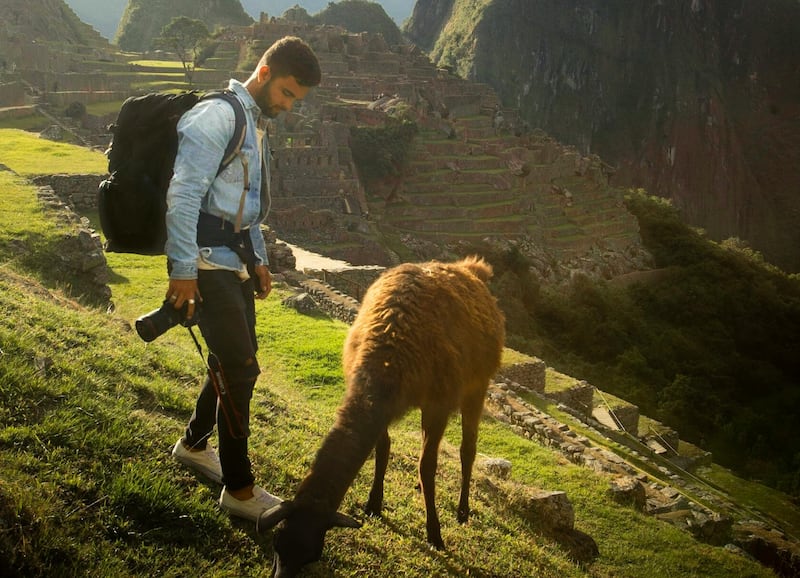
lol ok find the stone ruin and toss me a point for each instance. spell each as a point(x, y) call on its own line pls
point(475, 172)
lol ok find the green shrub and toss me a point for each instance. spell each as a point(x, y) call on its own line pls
point(382, 152)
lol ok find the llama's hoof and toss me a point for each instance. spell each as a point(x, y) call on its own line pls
point(463, 516)
point(373, 511)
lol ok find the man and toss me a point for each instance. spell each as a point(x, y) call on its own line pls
point(217, 261)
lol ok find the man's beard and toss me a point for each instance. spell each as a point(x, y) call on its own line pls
point(268, 110)
point(265, 102)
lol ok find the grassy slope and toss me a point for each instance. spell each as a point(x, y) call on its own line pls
point(89, 414)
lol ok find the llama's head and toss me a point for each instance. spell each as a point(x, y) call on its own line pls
point(300, 536)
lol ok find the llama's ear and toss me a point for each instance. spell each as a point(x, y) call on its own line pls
point(339, 520)
point(270, 518)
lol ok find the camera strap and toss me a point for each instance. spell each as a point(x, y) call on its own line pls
point(233, 418)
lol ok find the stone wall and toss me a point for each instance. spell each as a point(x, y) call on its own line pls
point(529, 374)
point(579, 397)
point(628, 417)
point(12, 94)
point(331, 301)
point(80, 191)
point(80, 252)
point(353, 282)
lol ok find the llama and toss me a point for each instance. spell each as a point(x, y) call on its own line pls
point(429, 336)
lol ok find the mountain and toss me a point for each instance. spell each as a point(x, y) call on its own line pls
point(695, 101)
point(105, 15)
point(54, 20)
point(143, 20)
point(44, 35)
point(399, 10)
point(361, 15)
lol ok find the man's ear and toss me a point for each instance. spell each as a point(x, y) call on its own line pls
point(264, 73)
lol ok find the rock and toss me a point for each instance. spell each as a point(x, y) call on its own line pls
point(546, 509)
point(498, 467)
point(302, 302)
point(712, 528)
point(628, 490)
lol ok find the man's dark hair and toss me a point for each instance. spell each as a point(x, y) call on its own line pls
point(291, 56)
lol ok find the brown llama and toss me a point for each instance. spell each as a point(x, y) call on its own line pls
point(427, 335)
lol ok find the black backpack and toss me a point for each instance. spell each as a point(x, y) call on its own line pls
point(132, 200)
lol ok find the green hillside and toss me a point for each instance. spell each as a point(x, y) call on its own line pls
point(89, 414)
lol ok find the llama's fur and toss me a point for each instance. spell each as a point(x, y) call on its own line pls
point(429, 336)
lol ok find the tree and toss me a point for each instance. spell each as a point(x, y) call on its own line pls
point(184, 36)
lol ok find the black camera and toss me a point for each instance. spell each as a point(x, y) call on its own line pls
point(157, 322)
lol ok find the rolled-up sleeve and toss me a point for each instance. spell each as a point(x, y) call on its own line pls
point(259, 246)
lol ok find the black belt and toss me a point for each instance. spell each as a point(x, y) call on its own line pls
point(213, 231)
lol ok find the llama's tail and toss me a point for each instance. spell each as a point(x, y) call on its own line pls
point(478, 267)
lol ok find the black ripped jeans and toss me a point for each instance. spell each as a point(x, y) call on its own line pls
point(227, 322)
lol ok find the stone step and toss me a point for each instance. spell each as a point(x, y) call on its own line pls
point(445, 236)
point(468, 163)
point(587, 217)
point(431, 188)
point(463, 196)
point(400, 212)
point(476, 133)
point(474, 122)
point(493, 226)
point(437, 148)
point(498, 179)
point(563, 231)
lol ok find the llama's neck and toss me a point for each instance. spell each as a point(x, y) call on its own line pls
point(344, 450)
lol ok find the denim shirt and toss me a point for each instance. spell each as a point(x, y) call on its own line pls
point(203, 135)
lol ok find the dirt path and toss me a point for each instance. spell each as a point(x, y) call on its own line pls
point(309, 260)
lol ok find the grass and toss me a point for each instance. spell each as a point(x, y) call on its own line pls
point(765, 499)
point(173, 64)
point(167, 64)
point(558, 381)
point(29, 122)
point(103, 108)
point(89, 414)
point(26, 154)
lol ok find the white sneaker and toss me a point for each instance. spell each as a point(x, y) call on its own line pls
point(205, 462)
point(248, 509)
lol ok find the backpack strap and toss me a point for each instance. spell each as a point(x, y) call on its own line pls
point(239, 130)
point(234, 147)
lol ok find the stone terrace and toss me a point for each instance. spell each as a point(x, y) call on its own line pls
point(476, 171)
point(469, 179)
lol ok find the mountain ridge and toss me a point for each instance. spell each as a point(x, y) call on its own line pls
point(105, 15)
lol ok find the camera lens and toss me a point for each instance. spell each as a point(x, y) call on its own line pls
point(157, 322)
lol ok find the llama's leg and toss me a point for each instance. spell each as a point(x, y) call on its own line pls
point(433, 425)
point(375, 503)
point(471, 409)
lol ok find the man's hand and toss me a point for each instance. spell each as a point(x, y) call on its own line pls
point(182, 291)
point(263, 281)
